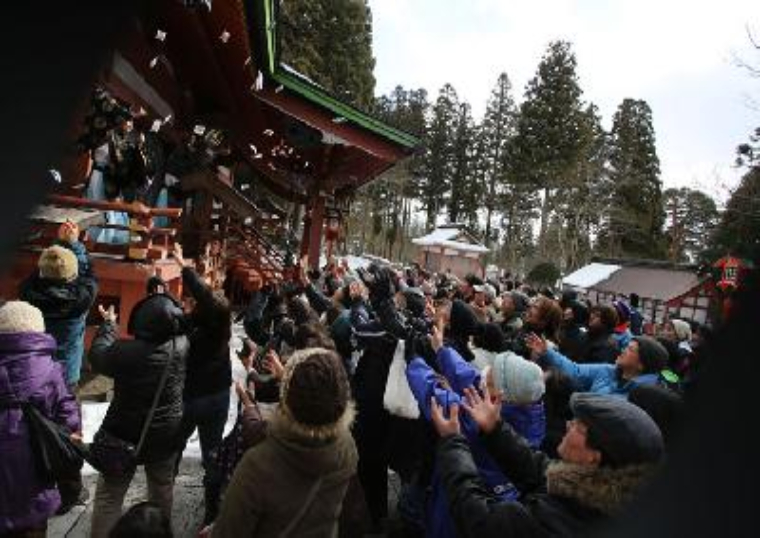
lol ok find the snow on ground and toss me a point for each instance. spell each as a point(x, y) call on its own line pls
point(93, 413)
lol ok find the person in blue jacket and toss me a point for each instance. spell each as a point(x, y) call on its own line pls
point(521, 384)
point(639, 364)
point(64, 288)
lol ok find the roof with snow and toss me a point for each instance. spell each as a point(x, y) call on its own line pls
point(653, 280)
point(452, 236)
point(590, 275)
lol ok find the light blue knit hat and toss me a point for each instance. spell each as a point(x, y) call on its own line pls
point(520, 381)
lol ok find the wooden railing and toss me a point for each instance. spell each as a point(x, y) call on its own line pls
point(145, 240)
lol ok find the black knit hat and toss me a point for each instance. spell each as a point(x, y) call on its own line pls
point(315, 391)
point(652, 354)
point(491, 338)
point(415, 301)
point(463, 321)
point(620, 430)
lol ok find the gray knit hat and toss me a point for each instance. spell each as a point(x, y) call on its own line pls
point(519, 380)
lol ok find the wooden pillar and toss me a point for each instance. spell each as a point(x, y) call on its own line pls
point(315, 230)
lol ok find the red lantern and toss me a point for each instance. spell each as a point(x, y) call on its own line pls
point(333, 231)
point(730, 268)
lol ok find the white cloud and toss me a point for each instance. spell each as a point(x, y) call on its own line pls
point(675, 54)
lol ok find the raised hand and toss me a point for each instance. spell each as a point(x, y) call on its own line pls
point(446, 427)
point(68, 232)
point(273, 363)
point(107, 315)
point(536, 344)
point(243, 394)
point(356, 290)
point(177, 253)
point(436, 338)
point(485, 410)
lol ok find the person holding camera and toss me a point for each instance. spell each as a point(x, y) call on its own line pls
point(376, 327)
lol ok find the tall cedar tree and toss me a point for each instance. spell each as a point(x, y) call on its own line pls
point(383, 209)
point(496, 132)
point(463, 199)
point(438, 161)
point(636, 215)
point(548, 145)
point(584, 198)
point(691, 217)
point(330, 41)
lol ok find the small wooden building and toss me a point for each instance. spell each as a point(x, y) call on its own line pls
point(450, 248)
point(665, 289)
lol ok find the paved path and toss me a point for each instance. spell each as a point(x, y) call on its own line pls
point(188, 490)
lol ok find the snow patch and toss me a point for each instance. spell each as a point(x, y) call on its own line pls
point(590, 275)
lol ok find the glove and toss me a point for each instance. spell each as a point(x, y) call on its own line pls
point(418, 345)
point(381, 287)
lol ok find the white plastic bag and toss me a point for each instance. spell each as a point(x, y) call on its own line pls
point(398, 399)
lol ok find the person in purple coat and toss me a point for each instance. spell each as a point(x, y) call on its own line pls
point(28, 373)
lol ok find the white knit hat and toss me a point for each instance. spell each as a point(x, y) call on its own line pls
point(20, 317)
point(682, 329)
point(520, 381)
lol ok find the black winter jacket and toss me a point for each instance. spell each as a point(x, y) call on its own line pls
point(538, 514)
point(599, 347)
point(136, 367)
point(209, 369)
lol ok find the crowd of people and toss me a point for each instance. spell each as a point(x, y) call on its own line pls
point(526, 413)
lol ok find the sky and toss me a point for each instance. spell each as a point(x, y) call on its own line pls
point(678, 55)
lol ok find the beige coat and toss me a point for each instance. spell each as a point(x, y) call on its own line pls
point(276, 485)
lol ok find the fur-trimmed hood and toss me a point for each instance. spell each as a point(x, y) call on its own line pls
point(285, 425)
point(603, 488)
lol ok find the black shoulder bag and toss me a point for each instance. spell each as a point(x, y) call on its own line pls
point(113, 456)
point(56, 456)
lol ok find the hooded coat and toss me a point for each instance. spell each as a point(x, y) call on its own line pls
point(558, 498)
point(276, 485)
point(28, 373)
point(136, 367)
point(64, 306)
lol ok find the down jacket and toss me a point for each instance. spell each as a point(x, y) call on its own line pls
point(28, 373)
point(460, 374)
point(65, 306)
point(558, 498)
point(136, 367)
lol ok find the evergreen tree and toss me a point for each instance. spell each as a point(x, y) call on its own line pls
point(548, 145)
point(636, 215)
point(438, 159)
point(330, 41)
point(497, 130)
point(691, 219)
point(739, 230)
point(464, 198)
point(586, 196)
